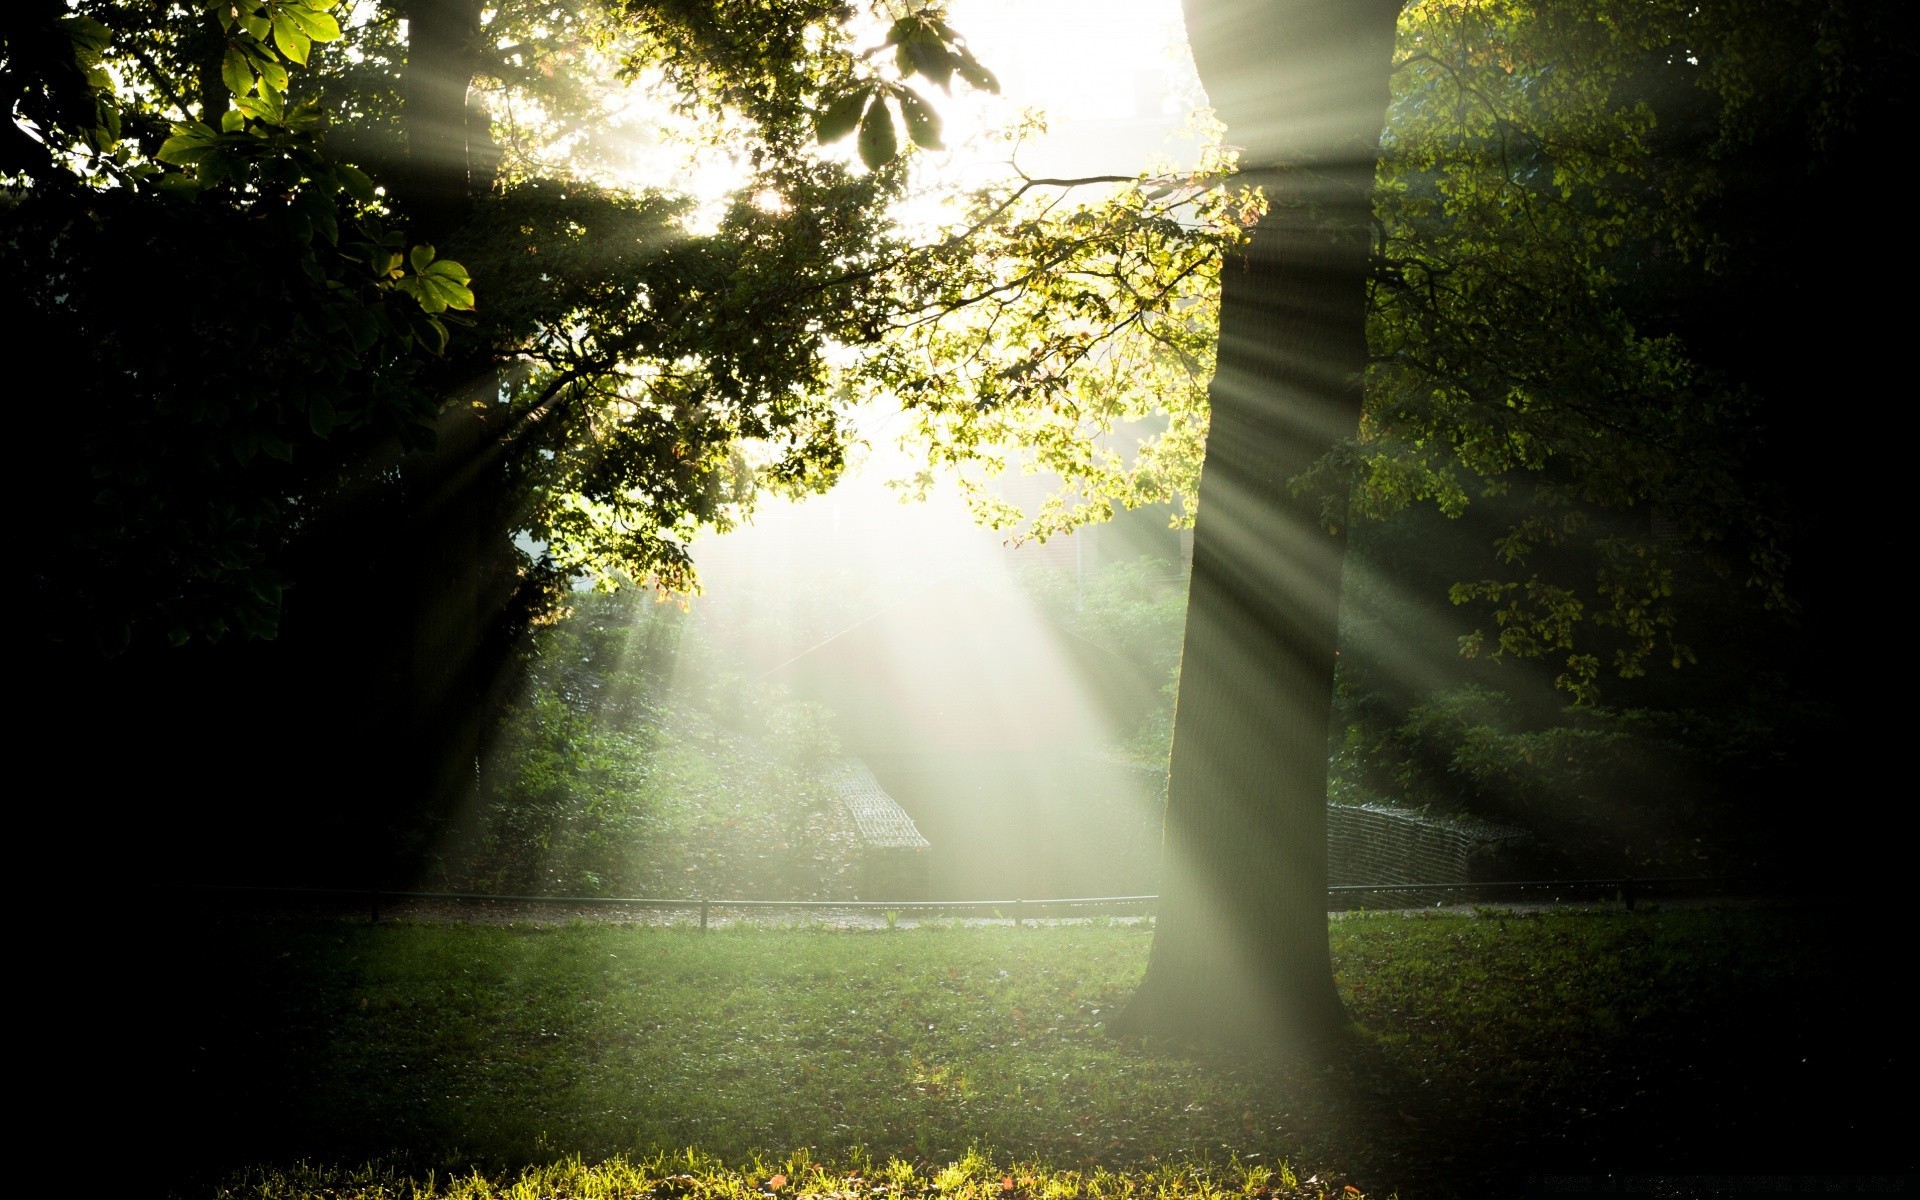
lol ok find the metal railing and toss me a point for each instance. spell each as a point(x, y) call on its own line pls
point(1341, 897)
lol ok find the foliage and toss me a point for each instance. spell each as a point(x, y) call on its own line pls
point(1680, 772)
point(1492, 1047)
point(1592, 777)
point(1536, 175)
point(1550, 223)
point(652, 370)
point(923, 44)
point(632, 767)
point(1136, 610)
point(1076, 321)
point(296, 321)
point(281, 442)
point(655, 377)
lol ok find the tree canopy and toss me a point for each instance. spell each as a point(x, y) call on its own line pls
point(388, 321)
point(341, 273)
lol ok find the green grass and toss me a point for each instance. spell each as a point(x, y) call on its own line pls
point(694, 1176)
point(1491, 1049)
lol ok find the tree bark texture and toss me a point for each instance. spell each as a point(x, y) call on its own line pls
point(451, 155)
point(456, 559)
point(1240, 953)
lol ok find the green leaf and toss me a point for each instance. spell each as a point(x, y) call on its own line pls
point(440, 335)
point(879, 145)
point(259, 108)
point(233, 121)
point(183, 186)
point(272, 74)
point(362, 328)
point(314, 23)
point(235, 73)
point(188, 145)
point(306, 115)
point(318, 206)
point(923, 123)
point(88, 36)
point(288, 39)
point(975, 74)
point(932, 59)
point(437, 286)
point(446, 294)
point(355, 181)
point(839, 118)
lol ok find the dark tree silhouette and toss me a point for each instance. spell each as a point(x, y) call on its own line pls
point(1240, 946)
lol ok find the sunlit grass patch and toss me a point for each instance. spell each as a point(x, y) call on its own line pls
point(692, 1175)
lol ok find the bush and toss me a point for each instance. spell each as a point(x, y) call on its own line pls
point(618, 774)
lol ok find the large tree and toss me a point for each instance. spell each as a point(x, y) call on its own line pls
point(1520, 306)
point(1240, 944)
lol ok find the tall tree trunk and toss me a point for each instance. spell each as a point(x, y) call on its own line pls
point(450, 150)
point(1240, 949)
point(444, 635)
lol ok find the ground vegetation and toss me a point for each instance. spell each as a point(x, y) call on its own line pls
point(636, 763)
point(1499, 1048)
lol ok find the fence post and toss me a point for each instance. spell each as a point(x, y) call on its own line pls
point(1017, 908)
point(703, 914)
point(374, 918)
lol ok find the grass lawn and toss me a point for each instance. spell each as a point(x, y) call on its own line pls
point(1493, 1051)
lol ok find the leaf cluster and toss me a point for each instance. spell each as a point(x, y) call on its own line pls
point(235, 309)
point(1064, 320)
point(922, 44)
point(1534, 185)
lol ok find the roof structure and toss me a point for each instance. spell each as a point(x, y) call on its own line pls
point(877, 817)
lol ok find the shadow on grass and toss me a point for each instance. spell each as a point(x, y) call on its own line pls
point(1488, 1053)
